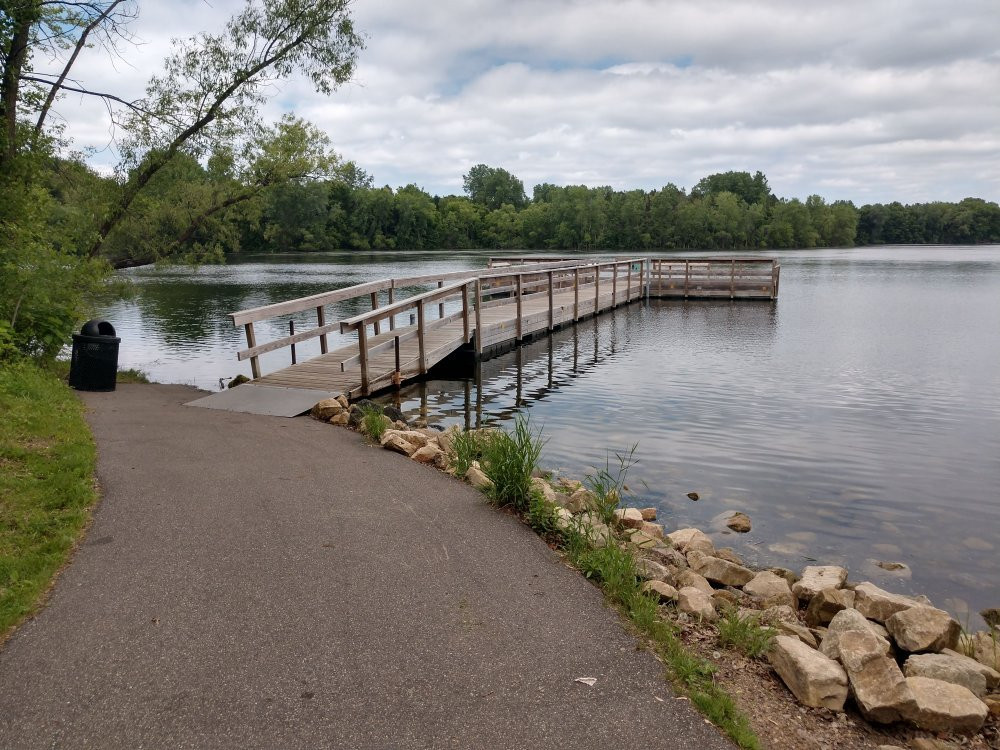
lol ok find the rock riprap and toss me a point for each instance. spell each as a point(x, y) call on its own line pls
point(815, 578)
point(814, 679)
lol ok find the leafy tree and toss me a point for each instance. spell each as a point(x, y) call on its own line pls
point(751, 188)
point(493, 187)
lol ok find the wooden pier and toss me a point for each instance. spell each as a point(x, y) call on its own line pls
point(481, 313)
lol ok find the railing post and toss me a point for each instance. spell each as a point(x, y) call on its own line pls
point(251, 343)
point(363, 356)
point(378, 327)
point(576, 294)
point(291, 332)
point(397, 377)
point(321, 321)
point(597, 288)
point(628, 283)
point(392, 298)
point(614, 285)
point(465, 313)
point(687, 277)
point(520, 324)
point(479, 317)
point(551, 292)
point(732, 279)
point(440, 305)
point(420, 336)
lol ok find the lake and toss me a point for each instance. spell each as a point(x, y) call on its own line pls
point(855, 420)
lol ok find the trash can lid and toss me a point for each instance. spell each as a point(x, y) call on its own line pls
point(97, 328)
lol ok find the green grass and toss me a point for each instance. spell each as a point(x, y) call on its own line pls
point(60, 368)
point(508, 459)
point(374, 422)
point(467, 447)
point(745, 634)
point(47, 459)
point(608, 484)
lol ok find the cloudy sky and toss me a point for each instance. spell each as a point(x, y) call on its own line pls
point(869, 100)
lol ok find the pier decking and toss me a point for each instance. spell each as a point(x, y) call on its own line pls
point(481, 313)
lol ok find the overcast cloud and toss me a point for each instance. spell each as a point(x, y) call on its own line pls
point(870, 100)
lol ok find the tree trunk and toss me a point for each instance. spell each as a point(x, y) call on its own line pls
point(24, 16)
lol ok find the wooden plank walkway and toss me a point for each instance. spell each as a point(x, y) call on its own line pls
point(501, 307)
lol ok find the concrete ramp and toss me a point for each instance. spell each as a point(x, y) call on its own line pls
point(274, 401)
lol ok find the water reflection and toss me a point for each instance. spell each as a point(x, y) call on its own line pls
point(856, 419)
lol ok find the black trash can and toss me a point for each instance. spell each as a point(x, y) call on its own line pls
point(94, 366)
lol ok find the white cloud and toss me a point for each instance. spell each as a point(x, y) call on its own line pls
point(870, 101)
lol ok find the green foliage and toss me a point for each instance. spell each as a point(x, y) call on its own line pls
point(745, 634)
point(541, 515)
point(373, 421)
point(508, 459)
point(467, 447)
point(46, 485)
point(493, 187)
point(608, 484)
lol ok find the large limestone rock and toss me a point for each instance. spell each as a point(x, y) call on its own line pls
point(696, 602)
point(447, 438)
point(393, 440)
point(814, 679)
point(844, 621)
point(663, 591)
point(688, 577)
point(648, 514)
point(682, 539)
point(984, 648)
point(991, 676)
point(827, 603)
point(945, 707)
point(594, 529)
point(953, 669)
point(727, 553)
point(429, 454)
point(668, 556)
point(650, 570)
point(326, 408)
point(417, 438)
point(796, 630)
point(630, 518)
point(723, 572)
point(653, 529)
point(923, 629)
point(340, 419)
point(564, 519)
point(478, 479)
point(815, 578)
point(544, 489)
point(878, 686)
point(771, 589)
point(580, 500)
point(642, 540)
point(878, 604)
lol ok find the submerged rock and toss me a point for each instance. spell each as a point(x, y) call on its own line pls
point(739, 522)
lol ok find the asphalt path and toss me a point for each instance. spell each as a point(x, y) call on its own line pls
point(259, 582)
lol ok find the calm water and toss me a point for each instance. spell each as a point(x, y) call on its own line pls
point(857, 419)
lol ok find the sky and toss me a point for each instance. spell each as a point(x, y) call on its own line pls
point(865, 100)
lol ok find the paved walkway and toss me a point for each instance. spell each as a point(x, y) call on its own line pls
point(258, 582)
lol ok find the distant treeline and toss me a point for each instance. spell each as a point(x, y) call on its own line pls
point(727, 211)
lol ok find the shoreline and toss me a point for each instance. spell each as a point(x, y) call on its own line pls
point(703, 590)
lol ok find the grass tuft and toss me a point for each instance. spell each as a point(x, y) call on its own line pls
point(508, 459)
point(467, 447)
point(745, 634)
point(373, 421)
point(608, 484)
point(47, 459)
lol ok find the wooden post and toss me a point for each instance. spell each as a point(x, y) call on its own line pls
point(251, 343)
point(687, 277)
point(363, 355)
point(321, 321)
point(420, 336)
point(397, 377)
point(378, 326)
point(520, 329)
point(628, 283)
point(291, 332)
point(551, 292)
point(392, 298)
point(576, 294)
point(441, 304)
point(597, 288)
point(775, 277)
point(465, 313)
point(479, 317)
point(614, 285)
point(732, 279)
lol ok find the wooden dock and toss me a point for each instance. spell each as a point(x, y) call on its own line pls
point(481, 313)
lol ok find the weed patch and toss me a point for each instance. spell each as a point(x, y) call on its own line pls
point(745, 634)
point(374, 422)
